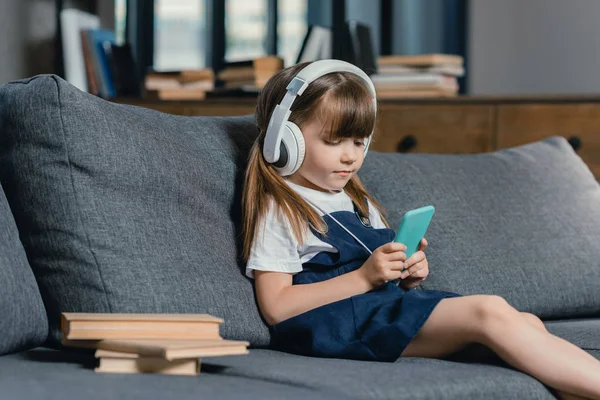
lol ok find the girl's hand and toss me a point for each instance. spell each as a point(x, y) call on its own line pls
point(416, 268)
point(385, 264)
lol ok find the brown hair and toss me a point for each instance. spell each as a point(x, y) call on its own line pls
point(348, 110)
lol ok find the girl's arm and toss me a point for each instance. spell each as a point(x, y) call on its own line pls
point(279, 300)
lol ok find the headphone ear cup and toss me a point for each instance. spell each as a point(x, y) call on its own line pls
point(300, 145)
point(293, 140)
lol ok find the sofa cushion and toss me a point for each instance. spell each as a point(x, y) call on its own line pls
point(584, 333)
point(408, 378)
point(269, 374)
point(23, 321)
point(522, 223)
point(52, 375)
point(125, 209)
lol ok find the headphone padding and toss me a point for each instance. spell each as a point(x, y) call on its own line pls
point(293, 140)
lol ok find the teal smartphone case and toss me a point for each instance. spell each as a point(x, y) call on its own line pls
point(413, 227)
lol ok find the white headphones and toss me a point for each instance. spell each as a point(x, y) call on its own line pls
point(284, 142)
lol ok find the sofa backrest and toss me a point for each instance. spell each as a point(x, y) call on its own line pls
point(522, 223)
point(125, 209)
point(23, 321)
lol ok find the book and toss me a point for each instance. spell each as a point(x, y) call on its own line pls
point(445, 69)
point(139, 326)
point(417, 86)
point(412, 78)
point(192, 75)
point(265, 68)
point(182, 76)
point(361, 46)
point(166, 349)
point(99, 40)
point(317, 44)
point(268, 63)
point(129, 363)
point(72, 22)
point(173, 90)
point(123, 70)
point(254, 72)
point(420, 59)
point(184, 80)
point(413, 94)
point(92, 57)
point(92, 82)
point(175, 94)
point(237, 73)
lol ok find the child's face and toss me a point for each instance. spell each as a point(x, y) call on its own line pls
point(324, 161)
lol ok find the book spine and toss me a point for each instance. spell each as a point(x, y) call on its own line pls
point(139, 334)
point(148, 365)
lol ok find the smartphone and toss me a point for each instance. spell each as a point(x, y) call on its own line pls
point(413, 227)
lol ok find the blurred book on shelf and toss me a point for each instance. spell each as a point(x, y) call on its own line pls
point(414, 76)
point(74, 49)
point(179, 85)
point(94, 62)
point(237, 79)
point(249, 74)
point(317, 44)
point(97, 64)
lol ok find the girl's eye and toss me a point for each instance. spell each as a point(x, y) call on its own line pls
point(332, 143)
point(359, 143)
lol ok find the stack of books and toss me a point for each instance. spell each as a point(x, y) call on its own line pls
point(179, 85)
point(251, 75)
point(171, 344)
point(425, 75)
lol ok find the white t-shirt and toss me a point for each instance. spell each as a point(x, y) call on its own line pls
point(277, 249)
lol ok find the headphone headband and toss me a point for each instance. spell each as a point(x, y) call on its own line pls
point(313, 71)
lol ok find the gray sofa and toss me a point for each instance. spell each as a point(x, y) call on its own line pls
point(113, 208)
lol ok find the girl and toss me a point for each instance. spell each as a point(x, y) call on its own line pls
point(323, 294)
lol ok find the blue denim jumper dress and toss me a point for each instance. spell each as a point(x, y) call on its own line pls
point(374, 326)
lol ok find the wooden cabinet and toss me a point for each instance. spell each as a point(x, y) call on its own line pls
point(434, 128)
point(453, 126)
point(222, 108)
point(578, 123)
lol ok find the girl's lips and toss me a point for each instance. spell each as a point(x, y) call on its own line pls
point(343, 173)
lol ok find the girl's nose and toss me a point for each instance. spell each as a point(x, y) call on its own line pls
point(350, 154)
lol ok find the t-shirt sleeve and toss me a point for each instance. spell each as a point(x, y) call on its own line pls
point(375, 217)
point(275, 247)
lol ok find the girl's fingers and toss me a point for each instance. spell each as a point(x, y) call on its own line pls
point(397, 266)
point(418, 270)
point(423, 244)
point(415, 258)
point(397, 256)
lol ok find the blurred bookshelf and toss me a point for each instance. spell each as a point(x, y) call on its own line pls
point(172, 40)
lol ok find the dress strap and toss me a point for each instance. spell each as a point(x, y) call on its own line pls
point(364, 219)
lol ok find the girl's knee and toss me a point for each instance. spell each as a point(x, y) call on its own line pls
point(534, 320)
point(492, 311)
point(492, 307)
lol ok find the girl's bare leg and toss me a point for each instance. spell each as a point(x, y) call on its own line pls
point(535, 321)
point(491, 321)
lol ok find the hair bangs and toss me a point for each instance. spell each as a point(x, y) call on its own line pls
point(347, 112)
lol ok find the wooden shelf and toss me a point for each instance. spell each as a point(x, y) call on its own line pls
point(459, 125)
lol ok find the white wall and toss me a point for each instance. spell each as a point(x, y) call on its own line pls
point(534, 47)
point(13, 17)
